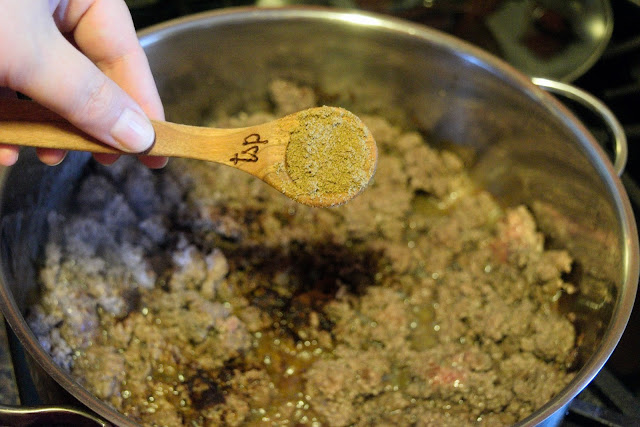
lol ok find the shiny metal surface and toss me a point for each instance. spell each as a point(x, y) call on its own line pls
point(588, 32)
point(529, 148)
point(8, 387)
point(554, 39)
point(26, 416)
point(621, 150)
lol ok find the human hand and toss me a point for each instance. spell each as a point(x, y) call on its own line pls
point(81, 59)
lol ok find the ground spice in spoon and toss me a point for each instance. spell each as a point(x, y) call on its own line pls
point(328, 154)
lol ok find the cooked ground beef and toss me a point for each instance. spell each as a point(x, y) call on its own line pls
point(200, 296)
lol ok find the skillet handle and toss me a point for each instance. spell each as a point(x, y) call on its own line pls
point(596, 106)
point(48, 415)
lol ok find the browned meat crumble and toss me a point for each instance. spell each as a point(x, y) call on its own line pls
point(200, 296)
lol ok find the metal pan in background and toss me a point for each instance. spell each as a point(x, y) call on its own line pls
point(558, 40)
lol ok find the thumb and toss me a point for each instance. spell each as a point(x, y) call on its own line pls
point(67, 82)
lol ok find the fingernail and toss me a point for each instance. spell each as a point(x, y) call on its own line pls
point(8, 157)
point(133, 131)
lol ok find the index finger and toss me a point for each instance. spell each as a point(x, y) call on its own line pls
point(103, 31)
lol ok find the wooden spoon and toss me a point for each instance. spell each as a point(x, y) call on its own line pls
point(320, 157)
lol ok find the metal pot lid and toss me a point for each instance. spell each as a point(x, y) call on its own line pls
point(558, 40)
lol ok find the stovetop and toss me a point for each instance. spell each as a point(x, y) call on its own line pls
point(613, 398)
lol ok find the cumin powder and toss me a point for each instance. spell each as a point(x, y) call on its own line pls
point(328, 153)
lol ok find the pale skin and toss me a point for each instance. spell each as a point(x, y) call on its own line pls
point(81, 59)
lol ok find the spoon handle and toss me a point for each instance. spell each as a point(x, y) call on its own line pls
point(27, 123)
